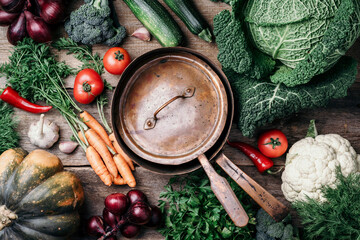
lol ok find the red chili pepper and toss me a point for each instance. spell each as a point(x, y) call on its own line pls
point(262, 163)
point(10, 96)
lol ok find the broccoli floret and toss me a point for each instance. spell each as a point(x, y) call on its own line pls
point(288, 232)
point(95, 22)
point(120, 34)
point(263, 221)
point(263, 236)
point(276, 230)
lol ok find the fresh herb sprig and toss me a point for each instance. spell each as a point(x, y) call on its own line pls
point(339, 217)
point(193, 211)
point(82, 53)
point(9, 137)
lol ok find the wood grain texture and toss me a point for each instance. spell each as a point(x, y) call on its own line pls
point(341, 117)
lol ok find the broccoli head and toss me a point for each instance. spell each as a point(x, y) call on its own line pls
point(268, 229)
point(95, 22)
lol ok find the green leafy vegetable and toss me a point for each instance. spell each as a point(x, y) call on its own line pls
point(339, 217)
point(259, 100)
point(312, 131)
point(8, 135)
point(268, 229)
point(95, 22)
point(195, 213)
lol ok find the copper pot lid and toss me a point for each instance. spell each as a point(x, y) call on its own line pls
point(173, 109)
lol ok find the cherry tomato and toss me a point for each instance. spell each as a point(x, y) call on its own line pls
point(116, 59)
point(273, 143)
point(88, 85)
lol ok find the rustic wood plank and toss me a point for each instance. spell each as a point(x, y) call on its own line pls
point(341, 116)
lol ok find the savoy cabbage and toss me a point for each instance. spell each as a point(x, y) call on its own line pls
point(261, 96)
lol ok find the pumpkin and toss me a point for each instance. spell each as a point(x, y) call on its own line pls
point(38, 200)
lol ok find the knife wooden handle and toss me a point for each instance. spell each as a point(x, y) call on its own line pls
point(268, 202)
point(225, 194)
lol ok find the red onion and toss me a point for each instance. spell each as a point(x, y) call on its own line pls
point(139, 213)
point(7, 18)
point(135, 196)
point(156, 216)
point(116, 203)
point(52, 11)
point(130, 230)
point(17, 30)
point(111, 219)
point(12, 6)
point(95, 226)
point(37, 28)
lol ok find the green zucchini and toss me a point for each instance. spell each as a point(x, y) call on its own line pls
point(157, 20)
point(186, 11)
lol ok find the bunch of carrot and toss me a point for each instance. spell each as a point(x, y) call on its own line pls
point(104, 154)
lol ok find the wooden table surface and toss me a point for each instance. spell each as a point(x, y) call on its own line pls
point(341, 116)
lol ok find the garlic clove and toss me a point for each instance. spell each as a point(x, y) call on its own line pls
point(142, 34)
point(68, 146)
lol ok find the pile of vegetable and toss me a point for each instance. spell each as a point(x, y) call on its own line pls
point(34, 71)
point(8, 134)
point(95, 22)
point(125, 214)
point(282, 57)
point(38, 199)
point(27, 18)
point(193, 211)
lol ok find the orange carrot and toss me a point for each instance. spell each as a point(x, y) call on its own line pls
point(100, 146)
point(124, 170)
point(121, 152)
point(97, 164)
point(92, 123)
point(81, 136)
point(119, 181)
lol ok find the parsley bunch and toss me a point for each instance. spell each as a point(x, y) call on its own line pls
point(193, 211)
point(9, 137)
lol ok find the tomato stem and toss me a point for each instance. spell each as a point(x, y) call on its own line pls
point(274, 142)
point(119, 56)
point(86, 87)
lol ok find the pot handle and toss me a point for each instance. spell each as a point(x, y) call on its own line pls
point(268, 202)
point(151, 122)
point(225, 194)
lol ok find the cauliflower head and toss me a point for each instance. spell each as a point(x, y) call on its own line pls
point(311, 163)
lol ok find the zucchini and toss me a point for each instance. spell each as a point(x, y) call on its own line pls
point(186, 11)
point(157, 20)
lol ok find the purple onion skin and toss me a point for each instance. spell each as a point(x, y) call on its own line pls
point(17, 30)
point(116, 203)
point(139, 213)
point(7, 18)
point(136, 195)
point(110, 219)
point(130, 230)
point(156, 217)
point(95, 226)
point(12, 6)
point(52, 11)
point(37, 28)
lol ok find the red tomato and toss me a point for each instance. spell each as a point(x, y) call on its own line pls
point(116, 59)
point(273, 143)
point(88, 85)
